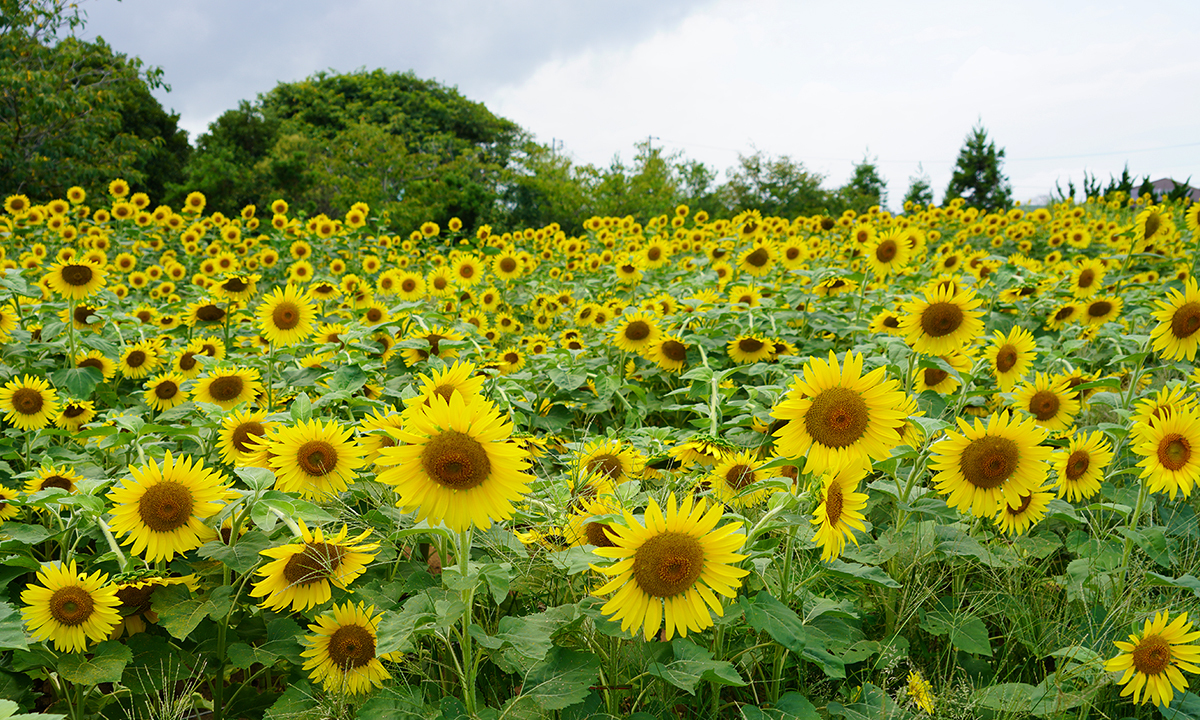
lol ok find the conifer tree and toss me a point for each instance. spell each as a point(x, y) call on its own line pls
point(978, 178)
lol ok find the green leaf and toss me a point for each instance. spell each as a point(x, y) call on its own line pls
point(567, 380)
point(1185, 706)
point(397, 630)
point(692, 664)
point(766, 614)
point(866, 573)
point(297, 703)
point(301, 411)
point(873, 704)
point(791, 706)
point(106, 665)
point(24, 534)
point(240, 558)
point(967, 632)
point(79, 382)
point(8, 711)
point(12, 633)
point(256, 478)
point(563, 679)
point(1184, 582)
point(1009, 697)
point(177, 611)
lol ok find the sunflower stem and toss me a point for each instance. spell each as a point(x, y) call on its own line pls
point(289, 522)
point(469, 667)
point(718, 651)
point(71, 340)
point(1127, 551)
point(270, 387)
point(122, 561)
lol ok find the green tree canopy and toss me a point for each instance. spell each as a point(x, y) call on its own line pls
point(978, 178)
point(77, 113)
point(920, 189)
point(775, 186)
point(865, 188)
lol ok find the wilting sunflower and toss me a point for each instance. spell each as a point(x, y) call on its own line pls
point(1102, 309)
point(1081, 464)
point(1170, 450)
point(286, 316)
point(300, 574)
point(943, 321)
point(457, 465)
point(76, 280)
point(70, 607)
point(668, 569)
point(637, 332)
point(987, 465)
point(747, 349)
point(732, 480)
point(165, 391)
point(1050, 401)
point(840, 511)
point(29, 403)
point(316, 458)
point(1027, 512)
point(237, 432)
point(229, 387)
point(1010, 356)
point(341, 652)
point(836, 415)
point(162, 508)
point(1178, 330)
point(1151, 663)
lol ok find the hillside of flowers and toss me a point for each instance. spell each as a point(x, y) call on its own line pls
point(933, 464)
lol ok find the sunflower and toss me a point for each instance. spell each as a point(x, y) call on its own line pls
point(165, 391)
point(228, 388)
point(75, 414)
point(758, 260)
point(316, 459)
point(434, 336)
point(944, 320)
point(204, 313)
point(510, 361)
point(341, 651)
point(1050, 401)
point(70, 607)
point(300, 574)
point(49, 476)
point(136, 592)
point(1080, 465)
point(610, 459)
point(636, 332)
point(835, 415)
point(460, 378)
point(140, 359)
point(1151, 663)
point(747, 349)
point(1087, 278)
point(457, 465)
point(8, 510)
point(939, 380)
point(76, 280)
point(30, 403)
point(286, 316)
point(840, 511)
point(236, 287)
point(1102, 309)
point(986, 465)
point(238, 431)
point(888, 253)
point(669, 353)
point(920, 691)
point(467, 270)
point(668, 569)
point(1010, 356)
point(1029, 510)
point(373, 434)
point(1152, 225)
point(1170, 450)
point(732, 480)
point(162, 508)
point(1178, 330)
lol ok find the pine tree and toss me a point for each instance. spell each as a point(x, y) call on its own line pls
point(977, 175)
point(920, 190)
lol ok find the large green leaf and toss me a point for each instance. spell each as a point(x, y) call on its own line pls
point(8, 711)
point(692, 664)
point(766, 614)
point(791, 706)
point(12, 633)
point(1184, 582)
point(872, 704)
point(398, 630)
point(967, 632)
point(563, 678)
point(865, 573)
point(178, 612)
point(106, 664)
point(242, 557)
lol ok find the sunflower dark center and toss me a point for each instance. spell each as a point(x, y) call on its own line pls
point(226, 388)
point(187, 361)
point(1064, 313)
point(674, 350)
point(1044, 405)
point(511, 358)
point(1077, 464)
point(136, 359)
point(456, 460)
point(891, 321)
point(941, 319)
point(242, 433)
point(286, 315)
point(837, 418)
point(234, 285)
point(77, 275)
point(935, 376)
point(315, 563)
point(317, 458)
point(1153, 223)
point(135, 599)
point(668, 564)
point(1025, 501)
point(792, 253)
point(739, 476)
point(56, 481)
point(166, 506)
point(166, 390)
point(71, 605)
point(28, 401)
point(606, 464)
point(886, 252)
point(598, 535)
point(1100, 308)
point(988, 461)
point(73, 410)
point(637, 330)
point(750, 345)
point(1086, 278)
point(1186, 320)
point(210, 313)
point(351, 646)
point(759, 257)
point(834, 503)
point(82, 313)
point(1152, 655)
point(1006, 358)
point(91, 362)
point(1174, 451)
point(374, 315)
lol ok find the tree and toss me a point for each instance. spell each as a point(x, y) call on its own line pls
point(75, 112)
point(920, 190)
point(865, 188)
point(774, 185)
point(977, 177)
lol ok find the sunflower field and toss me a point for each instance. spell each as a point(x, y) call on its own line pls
point(934, 464)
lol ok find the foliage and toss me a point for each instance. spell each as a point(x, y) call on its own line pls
point(978, 177)
point(865, 188)
point(777, 186)
point(920, 190)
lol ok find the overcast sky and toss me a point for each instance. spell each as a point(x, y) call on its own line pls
point(1061, 86)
